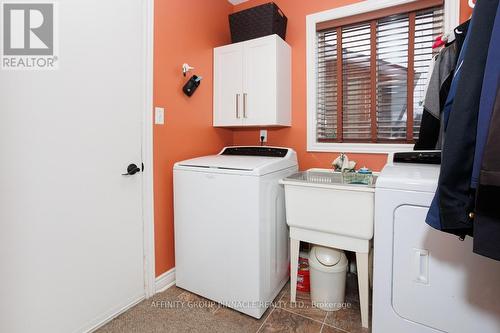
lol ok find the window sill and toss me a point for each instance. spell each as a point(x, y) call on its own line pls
point(366, 148)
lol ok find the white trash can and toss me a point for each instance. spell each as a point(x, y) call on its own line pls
point(328, 269)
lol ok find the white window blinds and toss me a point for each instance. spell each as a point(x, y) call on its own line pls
point(371, 77)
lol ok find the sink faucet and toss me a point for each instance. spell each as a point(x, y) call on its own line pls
point(342, 163)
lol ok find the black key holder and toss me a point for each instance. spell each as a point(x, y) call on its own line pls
point(192, 84)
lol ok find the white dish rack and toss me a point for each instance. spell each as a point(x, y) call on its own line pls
point(325, 176)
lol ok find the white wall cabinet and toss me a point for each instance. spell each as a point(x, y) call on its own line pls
point(252, 83)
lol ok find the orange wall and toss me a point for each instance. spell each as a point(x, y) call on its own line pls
point(466, 9)
point(295, 136)
point(185, 31)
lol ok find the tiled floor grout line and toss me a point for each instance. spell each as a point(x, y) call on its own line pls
point(329, 325)
point(321, 329)
point(324, 320)
point(337, 328)
point(300, 315)
point(265, 320)
point(274, 307)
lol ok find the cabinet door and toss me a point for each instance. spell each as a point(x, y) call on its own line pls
point(259, 82)
point(228, 81)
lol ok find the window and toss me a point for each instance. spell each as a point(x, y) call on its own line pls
point(371, 72)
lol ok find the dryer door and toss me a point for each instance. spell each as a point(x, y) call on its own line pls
point(438, 281)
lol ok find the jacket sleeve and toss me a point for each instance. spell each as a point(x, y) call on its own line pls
point(487, 221)
point(456, 197)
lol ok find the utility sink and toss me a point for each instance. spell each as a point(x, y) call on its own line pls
point(320, 200)
point(323, 207)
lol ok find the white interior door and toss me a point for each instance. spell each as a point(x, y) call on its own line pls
point(259, 85)
point(71, 237)
point(228, 81)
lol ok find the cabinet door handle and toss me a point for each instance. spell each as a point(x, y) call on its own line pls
point(244, 105)
point(238, 106)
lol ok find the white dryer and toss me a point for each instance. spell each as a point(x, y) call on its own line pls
point(231, 237)
point(426, 280)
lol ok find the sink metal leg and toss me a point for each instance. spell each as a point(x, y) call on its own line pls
point(363, 284)
point(294, 263)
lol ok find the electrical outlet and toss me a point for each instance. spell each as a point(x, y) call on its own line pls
point(159, 116)
point(263, 136)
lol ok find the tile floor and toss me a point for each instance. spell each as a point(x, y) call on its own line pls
point(177, 310)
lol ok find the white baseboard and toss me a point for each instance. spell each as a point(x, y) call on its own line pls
point(162, 283)
point(110, 315)
point(165, 281)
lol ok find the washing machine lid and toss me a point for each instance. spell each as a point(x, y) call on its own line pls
point(409, 177)
point(252, 160)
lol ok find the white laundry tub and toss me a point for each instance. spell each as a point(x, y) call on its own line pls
point(318, 200)
point(321, 209)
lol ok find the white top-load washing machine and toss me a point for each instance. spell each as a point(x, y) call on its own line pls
point(426, 280)
point(231, 237)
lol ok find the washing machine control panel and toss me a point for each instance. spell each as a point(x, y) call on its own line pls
point(255, 151)
point(419, 157)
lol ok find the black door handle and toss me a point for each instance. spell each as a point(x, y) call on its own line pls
point(132, 169)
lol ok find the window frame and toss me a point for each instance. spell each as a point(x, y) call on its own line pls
point(451, 19)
